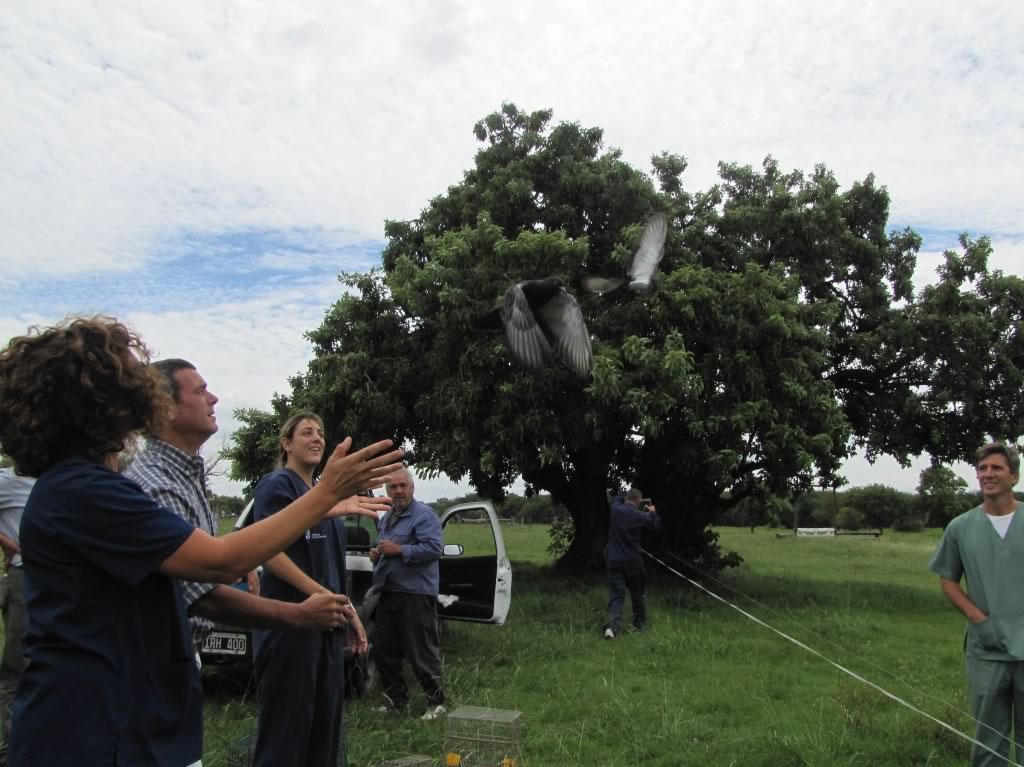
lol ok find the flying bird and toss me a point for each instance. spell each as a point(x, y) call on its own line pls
point(543, 323)
point(645, 261)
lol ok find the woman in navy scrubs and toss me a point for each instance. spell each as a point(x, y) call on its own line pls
point(111, 678)
point(301, 673)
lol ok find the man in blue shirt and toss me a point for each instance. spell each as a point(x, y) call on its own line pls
point(406, 577)
point(630, 516)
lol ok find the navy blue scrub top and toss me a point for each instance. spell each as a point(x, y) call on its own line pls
point(320, 553)
point(112, 678)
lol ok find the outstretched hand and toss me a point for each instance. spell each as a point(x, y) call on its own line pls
point(357, 638)
point(360, 505)
point(324, 612)
point(348, 474)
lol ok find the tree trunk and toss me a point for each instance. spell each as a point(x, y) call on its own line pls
point(588, 508)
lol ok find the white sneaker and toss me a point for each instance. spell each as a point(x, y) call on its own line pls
point(433, 713)
point(609, 634)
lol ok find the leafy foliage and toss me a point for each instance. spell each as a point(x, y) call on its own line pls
point(849, 518)
point(941, 495)
point(562, 533)
point(784, 332)
point(225, 506)
point(878, 505)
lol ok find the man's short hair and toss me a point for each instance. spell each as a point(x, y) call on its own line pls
point(167, 368)
point(634, 495)
point(1009, 452)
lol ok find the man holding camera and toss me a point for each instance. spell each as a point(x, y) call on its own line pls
point(631, 514)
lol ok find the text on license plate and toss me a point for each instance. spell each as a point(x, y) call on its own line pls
point(225, 644)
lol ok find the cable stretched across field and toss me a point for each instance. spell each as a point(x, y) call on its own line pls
point(831, 662)
point(837, 646)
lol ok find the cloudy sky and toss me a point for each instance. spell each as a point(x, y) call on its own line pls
point(204, 170)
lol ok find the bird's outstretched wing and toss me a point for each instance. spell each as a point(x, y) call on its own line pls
point(570, 337)
point(601, 285)
point(649, 252)
point(525, 339)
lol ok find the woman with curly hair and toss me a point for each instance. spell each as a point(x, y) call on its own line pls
point(109, 651)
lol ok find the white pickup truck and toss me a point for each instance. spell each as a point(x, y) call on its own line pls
point(475, 581)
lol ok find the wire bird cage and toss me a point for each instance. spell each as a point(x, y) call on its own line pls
point(409, 761)
point(481, 737)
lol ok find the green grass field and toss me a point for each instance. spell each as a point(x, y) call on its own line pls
point(704, 685)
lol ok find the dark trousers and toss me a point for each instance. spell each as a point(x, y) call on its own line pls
point(623, 575)
point(12, 662)
point(299, 697)
point(407, 624)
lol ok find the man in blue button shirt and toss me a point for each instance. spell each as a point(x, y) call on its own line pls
point(406, 577)
point(630, 516)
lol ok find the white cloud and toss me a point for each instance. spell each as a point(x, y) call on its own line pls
point(128, 127)
point(227, 115)
point(858, 472)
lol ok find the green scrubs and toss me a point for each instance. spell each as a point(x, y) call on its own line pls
point(994, 648)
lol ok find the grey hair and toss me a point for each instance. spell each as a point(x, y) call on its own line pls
point(408, 475)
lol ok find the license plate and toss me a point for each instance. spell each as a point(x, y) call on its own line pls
point(222, 643)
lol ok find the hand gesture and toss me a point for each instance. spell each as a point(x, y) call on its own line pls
point(357, 639)
point(252, 580)
point(348, 474)
point(389, 548)
point(324, 611)
point(360, 505)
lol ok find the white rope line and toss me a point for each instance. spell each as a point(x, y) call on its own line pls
point(845, 670)
point(836, 646)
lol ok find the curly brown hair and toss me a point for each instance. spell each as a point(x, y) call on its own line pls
point(78, 389)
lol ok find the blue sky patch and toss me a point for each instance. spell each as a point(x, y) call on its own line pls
point(197, 269)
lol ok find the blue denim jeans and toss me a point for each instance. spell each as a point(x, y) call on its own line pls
point(622, 576)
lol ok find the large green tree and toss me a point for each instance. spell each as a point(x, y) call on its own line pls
point(784, 332)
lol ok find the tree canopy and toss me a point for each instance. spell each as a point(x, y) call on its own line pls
point(784, 333)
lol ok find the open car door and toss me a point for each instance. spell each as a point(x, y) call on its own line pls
point(476, 576)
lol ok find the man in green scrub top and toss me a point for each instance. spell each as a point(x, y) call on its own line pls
point(986, 544)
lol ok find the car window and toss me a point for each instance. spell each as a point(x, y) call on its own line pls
point(471, 529)
point(361, 533)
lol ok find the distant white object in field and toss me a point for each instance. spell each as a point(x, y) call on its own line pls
point(815, 531)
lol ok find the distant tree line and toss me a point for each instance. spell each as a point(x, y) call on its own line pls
point(224, 506)
point(536, 509)
point(941, 495)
